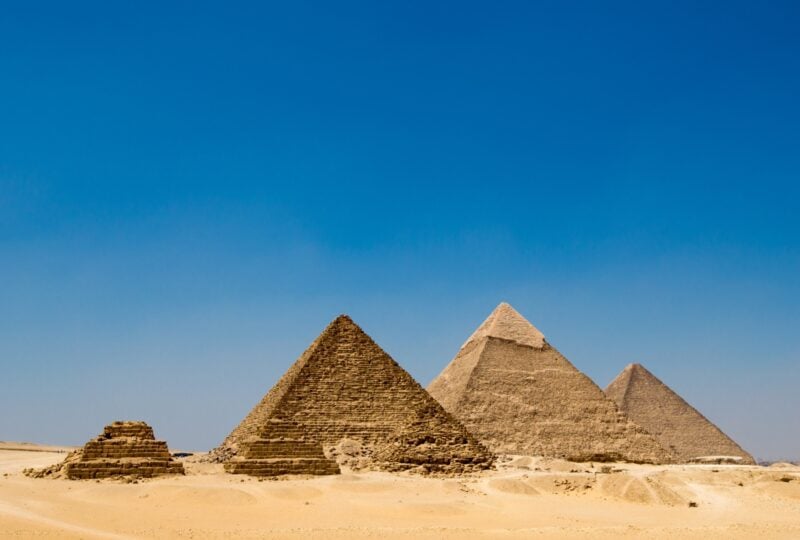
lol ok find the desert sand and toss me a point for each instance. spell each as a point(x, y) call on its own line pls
point(523, 498)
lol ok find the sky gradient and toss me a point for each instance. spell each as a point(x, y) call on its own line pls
point(190, 193)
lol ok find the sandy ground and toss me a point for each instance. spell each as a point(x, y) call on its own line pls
point(527, 498)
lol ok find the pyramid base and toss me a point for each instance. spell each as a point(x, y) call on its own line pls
point(104, 468)
point(282, 466)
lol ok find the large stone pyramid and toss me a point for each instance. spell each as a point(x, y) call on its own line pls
point(677, 425)
point(518, 395)
point(344, 387)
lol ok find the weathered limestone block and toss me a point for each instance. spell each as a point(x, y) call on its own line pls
point(138, 430)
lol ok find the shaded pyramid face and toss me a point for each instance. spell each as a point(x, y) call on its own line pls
point(344, 386)
point(674, 423)
point(518, 395)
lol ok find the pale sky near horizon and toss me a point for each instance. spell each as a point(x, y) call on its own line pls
point(190, 193)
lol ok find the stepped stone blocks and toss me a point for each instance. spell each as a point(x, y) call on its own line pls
point(671, 420)
point(518, 395)
point(123, 449)
point(282, 447)
point(345, 388)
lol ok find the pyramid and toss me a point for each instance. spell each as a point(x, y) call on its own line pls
point(519, 395)
point(281, 447)
point(677, 425)
point(345, 387)
point(123, 449)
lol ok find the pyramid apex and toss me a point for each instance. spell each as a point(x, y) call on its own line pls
point(616, 389)
point(343, 320)
point(505, 322)
point(636, 367)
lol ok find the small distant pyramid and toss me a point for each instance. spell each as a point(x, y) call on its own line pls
point(518, 395)
point(677, 425)
point(345, 387)
point(123, 449)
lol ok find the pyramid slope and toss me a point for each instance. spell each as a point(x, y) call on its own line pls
point(519, 395)
point(344, 386)
point(260, 415)
point(670, 419)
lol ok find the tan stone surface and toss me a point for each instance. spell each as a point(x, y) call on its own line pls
point(281, 447)
point(344, 386)
point(676, 424)
point(506, 323)
point(518, 395)
point(123, 449)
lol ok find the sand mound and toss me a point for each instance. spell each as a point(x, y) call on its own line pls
point(513, 486)
point(356, 484)
point(641, 490)
point(297, 492)
point(784, 485)
point(206, 496)
point(781, 489)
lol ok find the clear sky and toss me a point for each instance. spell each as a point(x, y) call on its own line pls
point(190, 192)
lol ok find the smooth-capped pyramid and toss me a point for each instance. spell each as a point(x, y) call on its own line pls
point(677, 425)
point(345, 387)
point(518, 395)
point(123, 449)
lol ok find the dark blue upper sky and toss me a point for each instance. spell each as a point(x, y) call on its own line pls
point(190, 193)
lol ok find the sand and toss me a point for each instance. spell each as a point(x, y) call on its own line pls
point(525, 498)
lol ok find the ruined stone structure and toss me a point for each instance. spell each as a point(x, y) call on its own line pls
point(519, 395)
point(677, 425)
point(281, 447)
point(345, 387)
point(123, 449)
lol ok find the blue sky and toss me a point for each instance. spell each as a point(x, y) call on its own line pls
point(190, 193)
